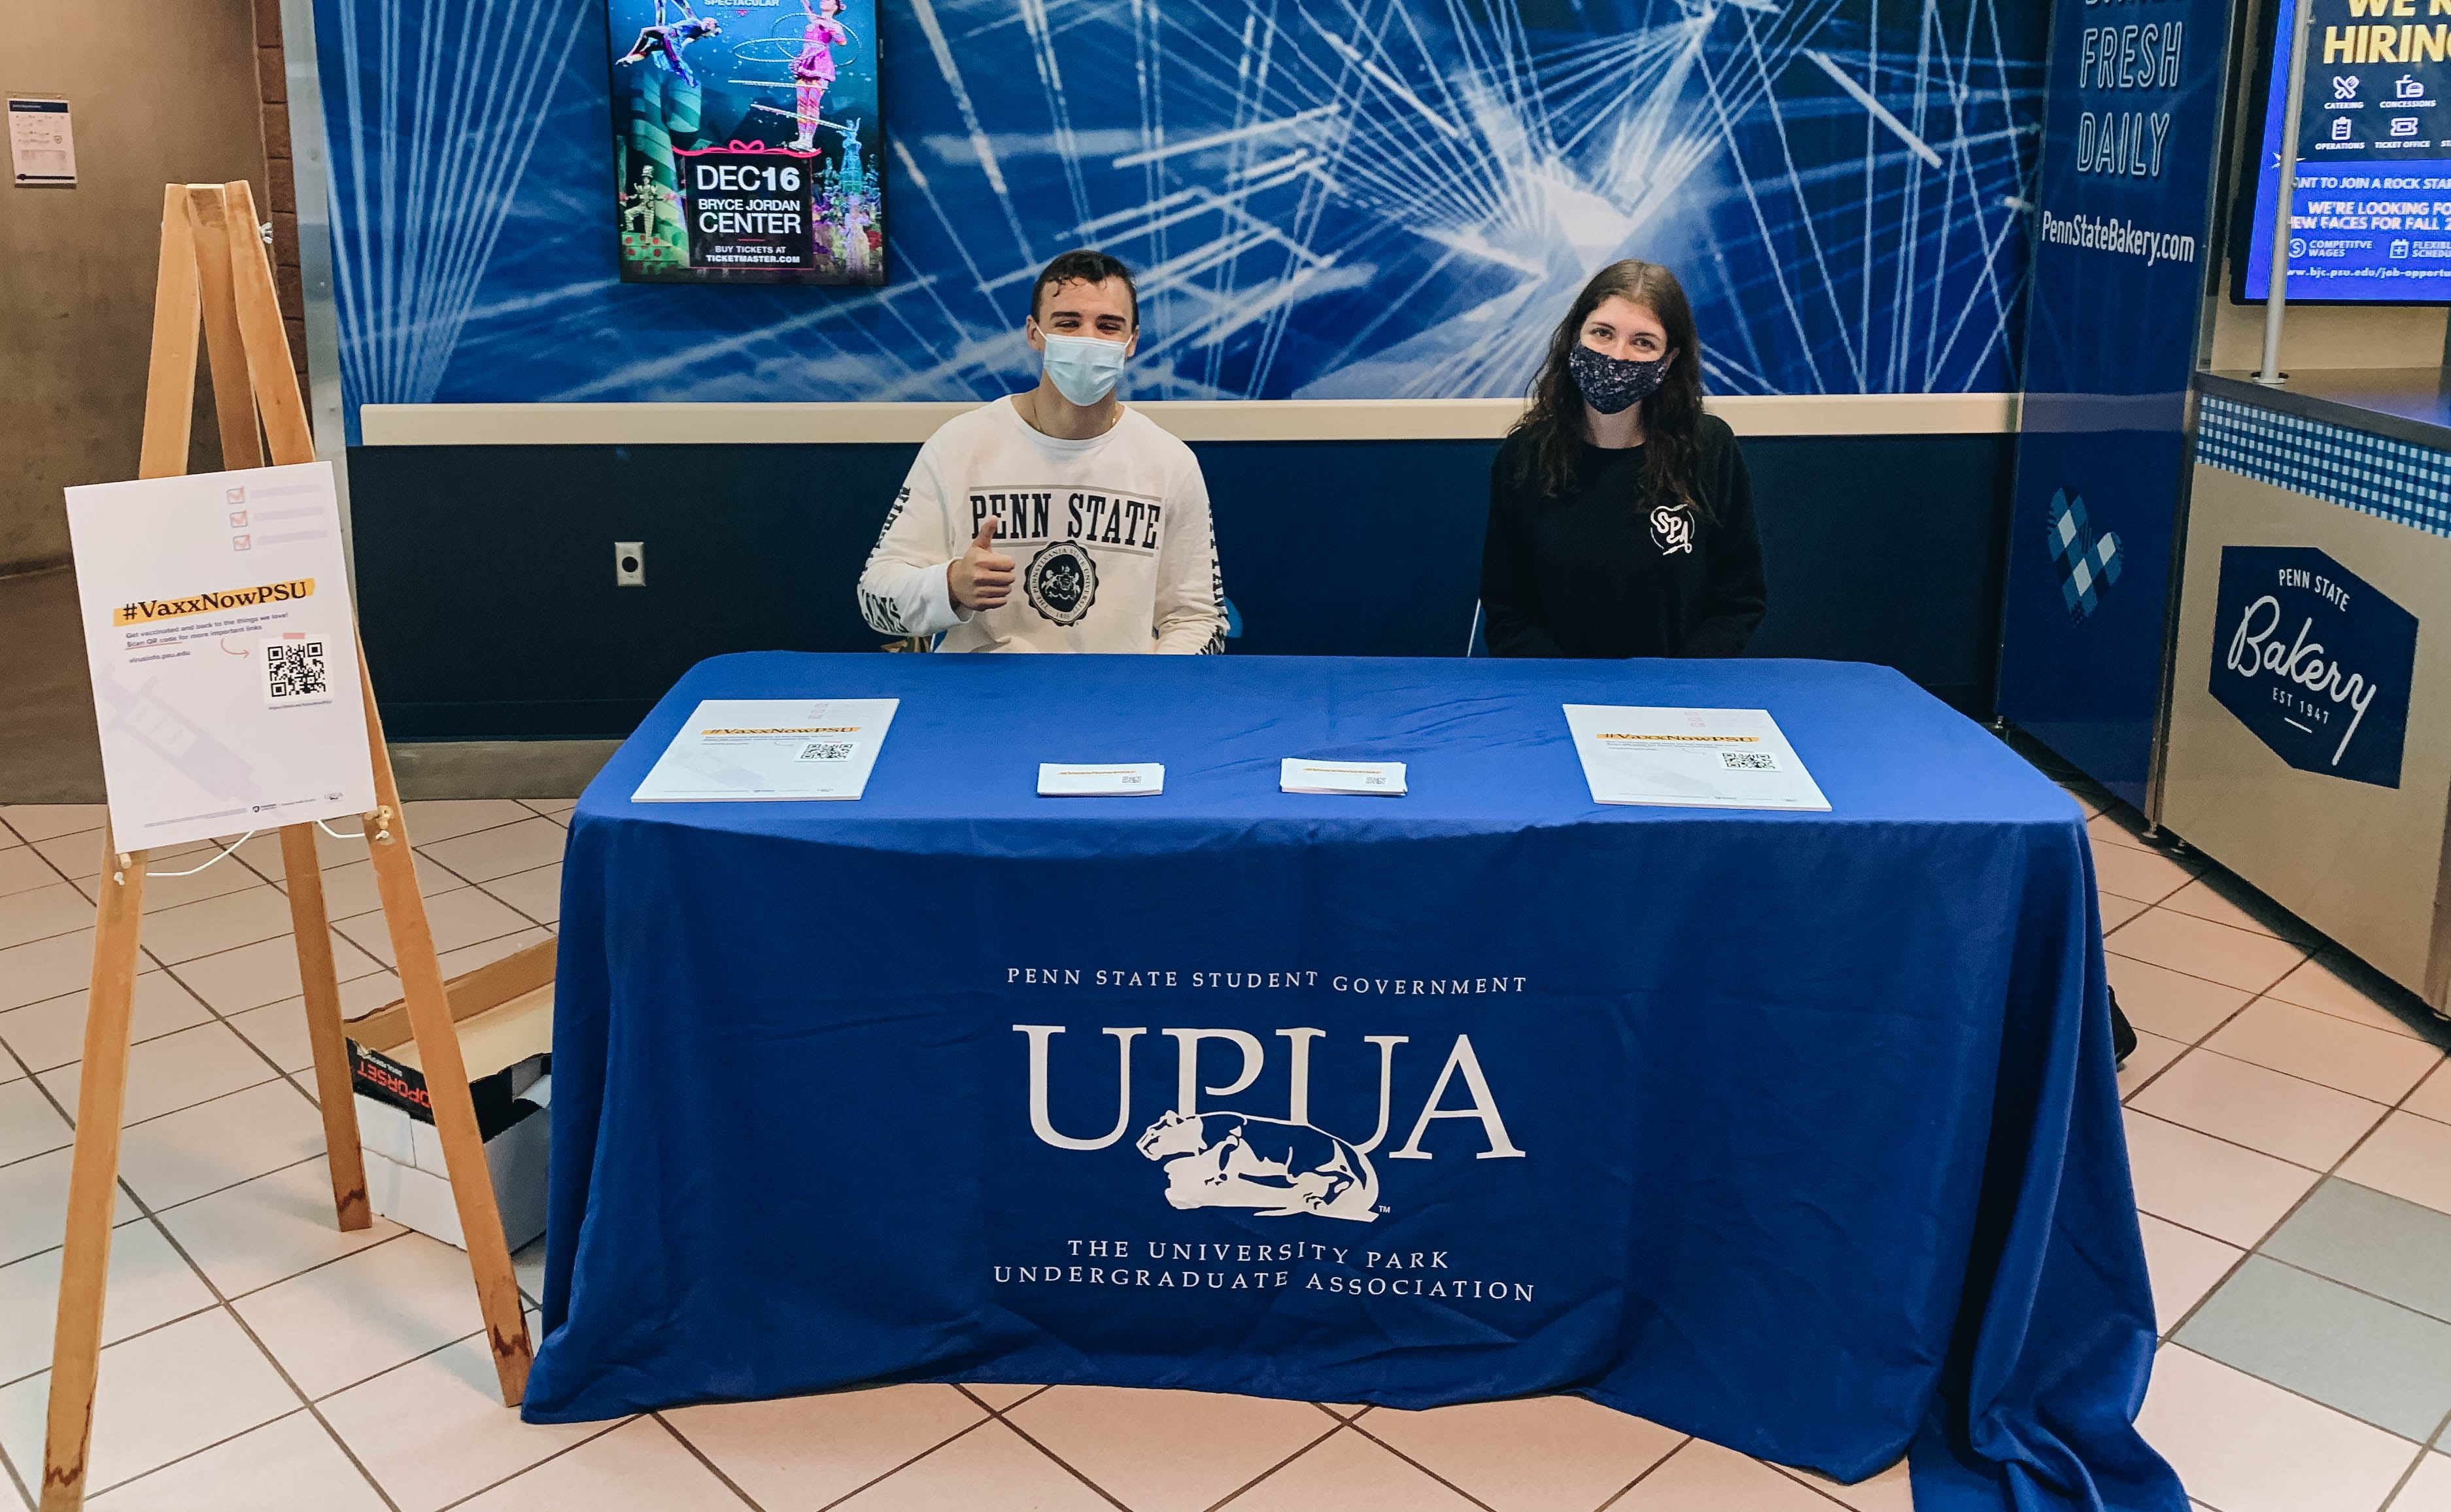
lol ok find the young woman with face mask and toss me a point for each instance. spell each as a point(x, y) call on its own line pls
point(1620, 520)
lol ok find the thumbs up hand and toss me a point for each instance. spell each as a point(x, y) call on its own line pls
point(980, 577)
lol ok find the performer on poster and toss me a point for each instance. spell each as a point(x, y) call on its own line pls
point(813, 70)
point(662, 43)
point(1105, 516)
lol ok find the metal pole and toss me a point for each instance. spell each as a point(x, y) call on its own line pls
point(2277, 292)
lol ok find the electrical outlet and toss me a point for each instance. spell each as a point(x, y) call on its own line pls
point(629, 564)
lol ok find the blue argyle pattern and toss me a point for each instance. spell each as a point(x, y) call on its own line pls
point(2087, 566)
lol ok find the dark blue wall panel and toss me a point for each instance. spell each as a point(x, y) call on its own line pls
point(485, 574)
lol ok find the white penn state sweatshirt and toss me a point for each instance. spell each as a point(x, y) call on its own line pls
point(1109, 536)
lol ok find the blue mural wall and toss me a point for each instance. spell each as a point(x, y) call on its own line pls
point(1353, 199)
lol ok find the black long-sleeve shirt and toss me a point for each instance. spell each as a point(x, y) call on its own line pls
point(1601, 572)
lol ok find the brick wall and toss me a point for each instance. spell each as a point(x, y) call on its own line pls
point(281, 185)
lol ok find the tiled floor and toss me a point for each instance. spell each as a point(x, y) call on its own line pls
point(2289, 1126)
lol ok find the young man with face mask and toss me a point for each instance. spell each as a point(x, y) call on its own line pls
point(1055, 520)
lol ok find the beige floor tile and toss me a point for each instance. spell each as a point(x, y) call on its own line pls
point(336, 1325)
point(636, 1468)
point(468, 957)
point(217, 924)
point(2200, 948)
point(78, 858)
point(2335, 985)
point(2169, 1003)
point(2432, 1098)
point(1889, 1491)
point(149, 1286)
point(460, 917)
point(22, 866)
point(442, 819)
point(41, 822)
point(2430, 1489)
point(536, 894)
point(2117, 910)
point(349, 890)
point(2246, 1446)
point(2115, 828)
point(1000, 1396)
point(219, 1144)
point(290, 1464)
point(434, 1430)
point(28, 1124)
point(2145, 875)
point(162, 1395)
point(2151, 1054)
point(39, 912)
point(2217, 898)
point(2409, 1157)
point(2202, 1183)
point(267, 972)
point(2260, 1108)
point(489, 854)
point(989, 1467)
point(263, 854)
point(177, 1071)
point(34, 1206)
point(279, 1030)
point(41, 968)
point(551, 808)
point(2341, 1054)
point(1352, 1473)
point(2183, 1265)
point(248, 1236)
point(1168, 1451)
point(1704, 1475)
point(1542, 1454)
point(803, 1453)
point(51, 1032)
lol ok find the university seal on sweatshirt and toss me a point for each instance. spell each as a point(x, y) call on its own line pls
point(1061, 582)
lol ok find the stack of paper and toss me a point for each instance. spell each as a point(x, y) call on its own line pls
point(1112, 780)
point(747, 749)
point(1370, 778)
point(1711, 758)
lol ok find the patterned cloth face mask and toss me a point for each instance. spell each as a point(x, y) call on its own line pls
point(1614, 383)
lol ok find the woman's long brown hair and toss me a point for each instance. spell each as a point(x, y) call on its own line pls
point(1552, 422)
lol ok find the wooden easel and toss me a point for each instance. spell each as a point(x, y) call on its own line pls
point(214, 266)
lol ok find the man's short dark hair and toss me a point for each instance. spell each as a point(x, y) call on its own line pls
point(1084, 266)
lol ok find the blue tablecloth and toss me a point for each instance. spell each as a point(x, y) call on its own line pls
point(1798, 1131)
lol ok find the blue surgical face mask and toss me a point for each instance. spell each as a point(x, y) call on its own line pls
point(1084, 369)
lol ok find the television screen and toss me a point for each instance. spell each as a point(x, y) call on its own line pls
point(2371, 219)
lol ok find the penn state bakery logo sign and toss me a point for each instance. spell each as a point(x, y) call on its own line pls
point(2314, 660)
point(1061, 582)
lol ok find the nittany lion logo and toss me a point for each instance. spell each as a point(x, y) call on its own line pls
point(1225, 1159)
point(1061, 582)
point(1672, 530)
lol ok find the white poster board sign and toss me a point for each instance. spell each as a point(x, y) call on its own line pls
point(41, 151)
point(220, 636)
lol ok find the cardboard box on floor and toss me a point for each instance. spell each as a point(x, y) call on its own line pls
point(503, 1012)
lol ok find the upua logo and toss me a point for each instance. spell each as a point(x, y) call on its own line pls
point(1278, 1168)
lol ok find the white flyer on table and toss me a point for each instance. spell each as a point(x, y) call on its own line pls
point(1708, 759)
point(1360, 778)
point(771, 750)
point(1111, 780)
point(223, 650)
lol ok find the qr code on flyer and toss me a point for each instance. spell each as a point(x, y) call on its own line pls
point(827, 750)
point(1748, 761)
point(294, 673)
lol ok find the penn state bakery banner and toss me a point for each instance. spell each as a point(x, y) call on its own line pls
point(745, 141)
point(1799, 1132)
point(2121, 220)
point(2314, 660)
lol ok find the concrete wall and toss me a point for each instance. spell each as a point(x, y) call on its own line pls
point(175, 98)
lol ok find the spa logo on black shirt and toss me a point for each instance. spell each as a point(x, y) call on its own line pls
point(1672, 530)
